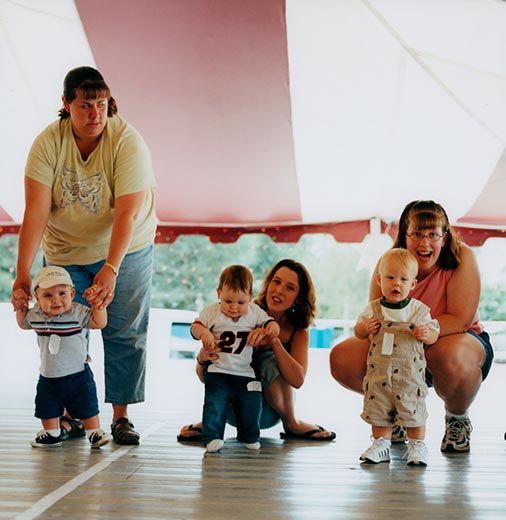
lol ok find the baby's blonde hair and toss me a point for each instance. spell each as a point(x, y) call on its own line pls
point(401, 256)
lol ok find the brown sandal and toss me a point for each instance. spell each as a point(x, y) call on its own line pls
point(123, 432)
point(76, 428)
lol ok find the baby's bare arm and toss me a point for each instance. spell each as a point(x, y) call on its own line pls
point(363, 329)
point(98, 318)
point(203, 334)
point(426, 334)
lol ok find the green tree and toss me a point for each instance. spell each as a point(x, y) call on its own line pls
point(493, 303)
point(187, 271)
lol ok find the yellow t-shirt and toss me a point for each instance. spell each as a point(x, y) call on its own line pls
point(82, 212)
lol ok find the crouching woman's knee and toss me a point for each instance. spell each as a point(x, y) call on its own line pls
point(348, 363)
point(455, 364)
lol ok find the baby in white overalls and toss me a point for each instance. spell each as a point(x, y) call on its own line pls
point(394, 385)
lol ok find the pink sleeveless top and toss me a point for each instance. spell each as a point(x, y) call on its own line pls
point(432, 292)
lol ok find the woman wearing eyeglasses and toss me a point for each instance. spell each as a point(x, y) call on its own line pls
point(449, 283)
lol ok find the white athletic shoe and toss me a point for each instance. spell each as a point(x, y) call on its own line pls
point(417, 453)
point(214, 445)
point(252, 445)
point(378, 451)
point(99, 438)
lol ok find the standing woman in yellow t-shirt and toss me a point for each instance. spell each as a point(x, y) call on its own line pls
point(89, 192)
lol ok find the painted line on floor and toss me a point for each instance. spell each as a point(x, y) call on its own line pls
point(49, 500)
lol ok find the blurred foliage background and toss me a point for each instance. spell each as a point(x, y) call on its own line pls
point(186, 272)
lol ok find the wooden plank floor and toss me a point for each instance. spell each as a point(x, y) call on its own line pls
point(162, 479)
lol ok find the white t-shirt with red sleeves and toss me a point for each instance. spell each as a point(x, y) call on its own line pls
point(231, 335)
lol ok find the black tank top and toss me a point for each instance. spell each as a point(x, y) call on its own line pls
point(288, 344)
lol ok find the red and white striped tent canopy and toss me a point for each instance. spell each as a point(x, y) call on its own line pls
point(280, 116)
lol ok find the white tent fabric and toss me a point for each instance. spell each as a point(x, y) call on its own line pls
point(406, 99)
point(39, 42)
point(269, 113)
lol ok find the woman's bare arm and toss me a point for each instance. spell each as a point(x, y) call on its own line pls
point(293, 365)
point(38, 199)
point(462, 296)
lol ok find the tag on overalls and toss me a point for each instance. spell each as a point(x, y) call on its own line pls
point(388, 344)
point(54, 344)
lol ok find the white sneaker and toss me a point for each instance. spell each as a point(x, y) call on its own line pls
point(252, 445)
point(417, 453)
point(99, 438)
point(214, 445)
point(378, 451)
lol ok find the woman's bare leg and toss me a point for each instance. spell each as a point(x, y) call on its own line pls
point(348, 363)
point(279, 394)
point(455, 364)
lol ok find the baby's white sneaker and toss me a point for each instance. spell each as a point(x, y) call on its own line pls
point(252, 445)
point(214, 445)
point(98, 438)
point(417, 453)
point(378, 451)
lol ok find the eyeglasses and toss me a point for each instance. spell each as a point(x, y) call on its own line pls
point(416, 236)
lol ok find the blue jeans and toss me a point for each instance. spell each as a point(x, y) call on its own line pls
point(267, 370)
point(127, 324)
point(221, 390)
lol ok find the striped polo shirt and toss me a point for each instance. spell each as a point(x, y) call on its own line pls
point(70, 327)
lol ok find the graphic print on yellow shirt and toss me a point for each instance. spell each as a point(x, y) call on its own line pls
point(81, 190)
point(84, 191)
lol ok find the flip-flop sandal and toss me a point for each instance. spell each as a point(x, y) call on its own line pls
point(76, 428)
point(191, 438)
point(309, 435)
point(123, 432)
